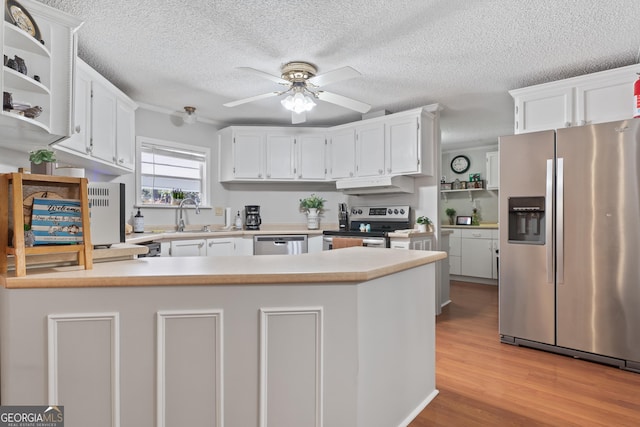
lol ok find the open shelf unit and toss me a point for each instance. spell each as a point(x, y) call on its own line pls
point(14, 189)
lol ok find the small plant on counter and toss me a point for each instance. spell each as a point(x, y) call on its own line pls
point(177, 194)
point(423, 220)
point(312, 202)
point(42, 155)
point(451, 213)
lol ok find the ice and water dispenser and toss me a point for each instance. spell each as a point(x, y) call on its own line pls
point(527, 220)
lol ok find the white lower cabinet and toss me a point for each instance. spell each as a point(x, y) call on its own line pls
point(193, 247)
point(455, 252)
point(414, 243)
point(314, 244)
point(221, 246)
point(478, 253)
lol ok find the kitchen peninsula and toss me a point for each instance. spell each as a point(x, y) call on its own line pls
point(336, 338)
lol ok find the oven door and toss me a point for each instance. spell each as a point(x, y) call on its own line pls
point(371, 242)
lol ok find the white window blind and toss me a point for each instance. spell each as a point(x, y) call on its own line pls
point(169, 171)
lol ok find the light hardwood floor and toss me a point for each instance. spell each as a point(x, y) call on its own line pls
point(485, 383)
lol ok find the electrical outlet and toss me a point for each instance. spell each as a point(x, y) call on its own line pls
point(219, 211)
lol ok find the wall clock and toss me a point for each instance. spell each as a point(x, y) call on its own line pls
point(21, 17)
point(460, 164)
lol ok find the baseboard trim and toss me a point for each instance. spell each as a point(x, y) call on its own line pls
point(419, 409)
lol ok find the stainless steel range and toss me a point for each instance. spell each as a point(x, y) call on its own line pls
point(371, 224)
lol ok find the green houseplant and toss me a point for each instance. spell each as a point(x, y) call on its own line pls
point(424, 223)
point(312, 202)
point(42, 161)
point(451, 213)
point(312, 205)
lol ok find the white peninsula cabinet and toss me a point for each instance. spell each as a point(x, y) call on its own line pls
point(272, 154)
point(472, 253)
point(50, 58)
point(593, 98)
point(104, 125)
point(191, 247)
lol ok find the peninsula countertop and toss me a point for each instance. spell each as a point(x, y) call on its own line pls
point(344, 265)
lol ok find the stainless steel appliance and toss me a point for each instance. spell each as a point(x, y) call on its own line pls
point(107, 216)
point(252, 218)
point(569, 242)
point(371, 224)
point(280, 245)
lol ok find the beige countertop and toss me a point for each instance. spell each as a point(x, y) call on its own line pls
point(487, 225)
point(161, 233)
point(353, 264)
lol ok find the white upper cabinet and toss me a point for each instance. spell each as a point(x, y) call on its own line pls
point(280, 156)
point(493, 170)
point(403, 145)
point(343, 153)
point(397, 144)
point(271, 154)
point(312, 157)
point(49, 57)
point(370, 149)
point(248, 154)
point(594, 98)
point(103, 136)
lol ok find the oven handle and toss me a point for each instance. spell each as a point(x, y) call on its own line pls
point(365, 241)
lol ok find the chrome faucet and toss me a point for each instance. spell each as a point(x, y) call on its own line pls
point(182, 203)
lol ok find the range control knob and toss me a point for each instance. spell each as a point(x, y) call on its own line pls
point(401, 211)
point(395, 211)
point(389, 211)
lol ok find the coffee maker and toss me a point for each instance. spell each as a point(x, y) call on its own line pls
point(252, 217)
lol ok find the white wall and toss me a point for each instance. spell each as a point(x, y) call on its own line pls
point(485, 201)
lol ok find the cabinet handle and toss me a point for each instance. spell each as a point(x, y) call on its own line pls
point(567, 124)
point(121, 160)
point(380, 171)
point(78, 129)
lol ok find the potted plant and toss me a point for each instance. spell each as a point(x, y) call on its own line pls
point(312, 205)
point(177, 195)
point(424, 224)
point(451, 213)
point(42, 161)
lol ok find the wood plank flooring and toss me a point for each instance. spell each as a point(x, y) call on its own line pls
point(485, 383)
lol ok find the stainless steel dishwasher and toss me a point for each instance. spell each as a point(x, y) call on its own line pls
point(280, 245)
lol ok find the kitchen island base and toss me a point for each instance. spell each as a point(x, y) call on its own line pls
point(336, 353)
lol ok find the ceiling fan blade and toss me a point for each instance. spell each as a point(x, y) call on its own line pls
point(297, 118)
point(337, 75)
point(266, 75)
point(343, 101)
point(251, 99)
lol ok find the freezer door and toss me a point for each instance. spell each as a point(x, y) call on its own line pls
point(598, 291)
point(527, 299)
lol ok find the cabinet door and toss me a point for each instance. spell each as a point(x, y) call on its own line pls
point(370, 150)
point(312, 157)
point(493, 170)
point(605, 100)
point(477, 258)
point(125, 134)
point(403, 146)
point(103, 123)
point(544, 109)
point(80, 140)
point(221, 247)
point(343, 153)
point(399, 244)
point(280, 156)
point(195, 247)
point(248, 155)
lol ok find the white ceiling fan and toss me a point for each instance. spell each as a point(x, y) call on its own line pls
point(303, 86)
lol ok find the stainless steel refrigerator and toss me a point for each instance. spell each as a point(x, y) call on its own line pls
point(570, 241)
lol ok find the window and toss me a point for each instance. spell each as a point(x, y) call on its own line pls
point(168, 171)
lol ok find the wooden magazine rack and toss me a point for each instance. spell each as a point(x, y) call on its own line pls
point(16, 190)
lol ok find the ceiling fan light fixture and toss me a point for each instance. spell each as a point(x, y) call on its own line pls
point(298, 103)
point(189, 116)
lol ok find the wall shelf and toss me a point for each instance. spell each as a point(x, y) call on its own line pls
point(470, 191)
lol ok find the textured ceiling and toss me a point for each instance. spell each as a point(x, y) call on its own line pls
point(464, 54)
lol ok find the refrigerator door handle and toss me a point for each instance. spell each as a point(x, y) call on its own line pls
point(549, 221)
point(560, 222)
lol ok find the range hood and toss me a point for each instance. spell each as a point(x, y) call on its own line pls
point(376, 185)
